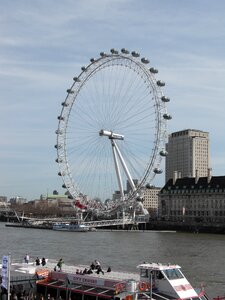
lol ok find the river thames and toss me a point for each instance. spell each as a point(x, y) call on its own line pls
point(201, 256)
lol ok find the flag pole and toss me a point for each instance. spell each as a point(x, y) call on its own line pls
point(8, 270)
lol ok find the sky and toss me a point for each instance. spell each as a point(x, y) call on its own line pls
point(44, 43)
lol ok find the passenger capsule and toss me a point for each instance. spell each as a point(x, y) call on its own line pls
point(167, 116)
point(59, 160)
point(135, 54)
point(114, 51)
point(76, 79)
point(102, 54)
point(153, 70)
point(61, 173)
point(69, 91)
point(70, 197)
point(64, 186)
point(83, 68)
point(60, 118)
point(65, 103)
point(160, 83)
point(163, 153)
point(165, 99)
point(124, 51)
point(92, 60)
point(145, 60)
point(58, 146)
point(60, 132)
point(157, 171)
point(149, 186)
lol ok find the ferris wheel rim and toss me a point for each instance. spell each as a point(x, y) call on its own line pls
point(79, 83)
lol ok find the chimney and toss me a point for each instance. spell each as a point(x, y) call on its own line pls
point(209, 175)
point(174, 177)
point(196, 176)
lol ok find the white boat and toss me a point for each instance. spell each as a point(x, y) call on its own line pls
point(70, 227)
point(154, 281)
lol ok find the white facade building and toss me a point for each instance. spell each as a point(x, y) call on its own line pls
point(151, 201)
point(188, 152)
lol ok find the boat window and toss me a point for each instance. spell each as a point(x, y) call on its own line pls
point(144, 273)
point(62, 294)
point(41, 289)
point(76, 296)
point(173, 274)
point(51, 291)
point(159, 275)
point(88, 297)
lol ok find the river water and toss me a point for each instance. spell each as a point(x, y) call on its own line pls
point(201, 256)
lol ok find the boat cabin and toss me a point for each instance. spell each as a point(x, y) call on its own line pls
point(166, 279)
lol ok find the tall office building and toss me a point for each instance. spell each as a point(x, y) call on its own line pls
point(188, 153)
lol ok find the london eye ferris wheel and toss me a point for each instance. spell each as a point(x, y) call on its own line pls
point(112, 130)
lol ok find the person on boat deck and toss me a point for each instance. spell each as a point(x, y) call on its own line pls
point(59, 264)
point(109, 269)
point(92, 266)
point(89, 271)
point(37, 261)
point(99, 269)
point(97, 264)
point(85, 271)
point(26, 258)
point(43, 261)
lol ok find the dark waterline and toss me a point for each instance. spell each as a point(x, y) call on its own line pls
point(201, 256)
